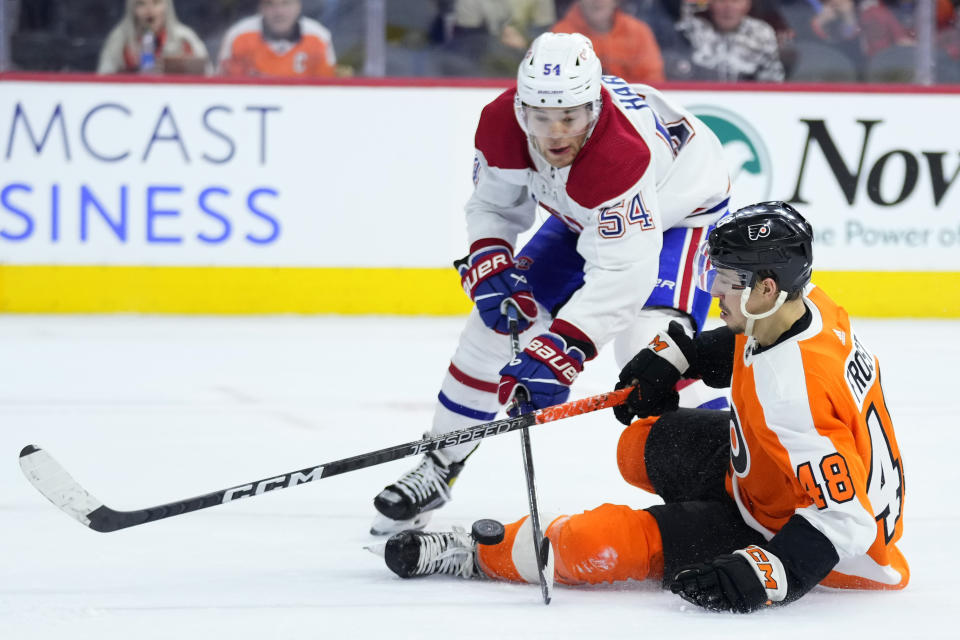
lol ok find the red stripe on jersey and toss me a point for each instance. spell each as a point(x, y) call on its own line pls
point(614, 159)
point(567, 220)
point(687, 275)
point(499, 136)
point(470, 381)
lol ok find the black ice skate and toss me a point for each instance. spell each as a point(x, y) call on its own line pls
point(408, 503)
point(414, 553)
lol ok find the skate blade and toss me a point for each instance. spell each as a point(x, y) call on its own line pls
point(377, 548)
point(384, 526)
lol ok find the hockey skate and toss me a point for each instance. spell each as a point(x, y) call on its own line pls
point(410, 501)
point(414, 553)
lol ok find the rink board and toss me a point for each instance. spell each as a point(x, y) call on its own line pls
point(346, 197)
point(249, 290)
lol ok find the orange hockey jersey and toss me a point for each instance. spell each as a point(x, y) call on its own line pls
point(810, 435)
point(246, 52)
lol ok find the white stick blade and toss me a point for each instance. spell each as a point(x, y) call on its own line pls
point(548, 570)
point(56, 485)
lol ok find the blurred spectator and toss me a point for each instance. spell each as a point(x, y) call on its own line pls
point(890, 24)
point(488, 35)
point(660, 16)
point(528, 19)
point(625, 45)
point(881, 28)
point(771, 12)
point(836, 21)
point(278, 41)
point(948, 32)
point(150, 39)
point(729, 45)
point(512, 22)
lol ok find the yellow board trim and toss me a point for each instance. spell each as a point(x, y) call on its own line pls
point(358, 291)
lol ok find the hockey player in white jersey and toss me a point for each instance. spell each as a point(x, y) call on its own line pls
point(632, 182)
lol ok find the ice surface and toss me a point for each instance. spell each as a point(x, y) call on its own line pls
point(145, 410)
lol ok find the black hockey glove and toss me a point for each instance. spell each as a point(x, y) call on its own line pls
point(742, 581)
point(655, 372)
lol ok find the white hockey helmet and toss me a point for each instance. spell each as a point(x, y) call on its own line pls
point(560, 70)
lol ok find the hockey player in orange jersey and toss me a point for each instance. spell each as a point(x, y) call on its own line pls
point(279, 41)
point(800, 483)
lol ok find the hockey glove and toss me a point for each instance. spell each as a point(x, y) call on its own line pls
point(546, 369)
point(490, 277)
point(742, 581)
point(654, 372)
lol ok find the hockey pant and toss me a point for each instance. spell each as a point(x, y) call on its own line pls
point(683, 457)
point(554, 269)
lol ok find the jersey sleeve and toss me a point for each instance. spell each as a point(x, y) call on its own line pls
point(713, 362)
point(807, 555)
point(500, 205)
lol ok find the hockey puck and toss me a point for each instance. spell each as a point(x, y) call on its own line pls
point(487, 531)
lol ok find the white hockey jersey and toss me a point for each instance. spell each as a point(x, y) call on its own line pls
point(649, 165)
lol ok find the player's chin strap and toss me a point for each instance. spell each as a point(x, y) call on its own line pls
point(752, 317)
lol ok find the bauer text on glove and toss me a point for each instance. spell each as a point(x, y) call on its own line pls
point(546, 369)
point(491, 278)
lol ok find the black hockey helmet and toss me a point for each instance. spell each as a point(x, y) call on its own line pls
point(763, 238)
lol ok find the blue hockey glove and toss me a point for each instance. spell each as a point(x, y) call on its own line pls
point(490, 277)
point(546, 369)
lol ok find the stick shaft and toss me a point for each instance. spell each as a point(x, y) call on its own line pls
point(522, 402)
point(52, 480)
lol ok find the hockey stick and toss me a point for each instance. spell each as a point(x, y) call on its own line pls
point(541, 545)
point(53, 481)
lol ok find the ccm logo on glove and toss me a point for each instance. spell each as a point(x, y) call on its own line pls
point(769, 571)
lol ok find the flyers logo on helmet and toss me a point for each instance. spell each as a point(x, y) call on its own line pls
point(756, 231)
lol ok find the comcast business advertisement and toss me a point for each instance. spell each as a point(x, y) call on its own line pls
point(240, 175)
point(232, 175)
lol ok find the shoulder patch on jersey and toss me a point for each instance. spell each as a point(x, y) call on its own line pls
point(613, 159)
point(499, 136)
